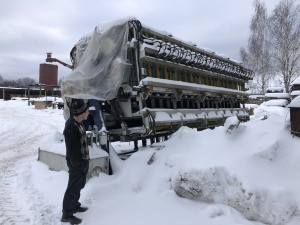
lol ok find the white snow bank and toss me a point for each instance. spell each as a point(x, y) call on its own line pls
point(255, 166)
point(276, 102)
point(217, 185)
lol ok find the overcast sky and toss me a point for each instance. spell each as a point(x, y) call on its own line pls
point(31, 28)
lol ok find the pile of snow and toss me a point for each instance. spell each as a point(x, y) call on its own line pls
point(276, 102)
point(231, 123)
point(217, 185)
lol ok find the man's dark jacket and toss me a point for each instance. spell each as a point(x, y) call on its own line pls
point(76, 146)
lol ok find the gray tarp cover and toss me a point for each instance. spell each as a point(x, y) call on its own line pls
point(101, 62)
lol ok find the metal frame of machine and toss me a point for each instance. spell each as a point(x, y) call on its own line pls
point(172, 84)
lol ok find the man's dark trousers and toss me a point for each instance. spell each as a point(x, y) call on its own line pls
point(77, 179)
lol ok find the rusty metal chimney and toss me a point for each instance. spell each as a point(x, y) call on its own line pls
point(49, 54)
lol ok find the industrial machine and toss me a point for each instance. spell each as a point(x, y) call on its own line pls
point(150, 83)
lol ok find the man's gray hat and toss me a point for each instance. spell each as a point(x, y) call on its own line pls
point(79, 107)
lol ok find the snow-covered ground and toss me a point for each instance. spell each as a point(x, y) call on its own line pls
point(247, 176)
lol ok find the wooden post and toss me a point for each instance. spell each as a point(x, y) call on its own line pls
point(28, 95)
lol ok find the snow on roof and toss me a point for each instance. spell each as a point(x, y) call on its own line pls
point(295, 103)
point(293, 93)
point(276, 102)
point(277, 95)
point(275, 88)
point(157, 30)
point(256, 96)
point(13, 88)
point(297, 81)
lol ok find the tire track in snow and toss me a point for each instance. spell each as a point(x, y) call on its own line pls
point(18, 148)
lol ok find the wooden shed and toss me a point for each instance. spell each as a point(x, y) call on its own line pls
point(295, 116)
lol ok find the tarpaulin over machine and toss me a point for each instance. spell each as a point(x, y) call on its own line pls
point(101, 63)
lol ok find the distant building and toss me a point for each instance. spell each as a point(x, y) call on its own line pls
point(277, 93)
point(6, 93)
point(275, 90)
point(295, 116)
point(295, 89)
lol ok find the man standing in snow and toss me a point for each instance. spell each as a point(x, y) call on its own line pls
point(77, 156)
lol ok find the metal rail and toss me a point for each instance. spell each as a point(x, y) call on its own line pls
point(173, 50)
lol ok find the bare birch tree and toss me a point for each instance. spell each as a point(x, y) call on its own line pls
point(284, 40)
point(258, 57)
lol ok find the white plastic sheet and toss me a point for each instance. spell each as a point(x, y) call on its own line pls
point(101, 61)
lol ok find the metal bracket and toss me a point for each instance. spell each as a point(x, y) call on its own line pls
point(178, 94)
point(145, 93)
point(201, 96)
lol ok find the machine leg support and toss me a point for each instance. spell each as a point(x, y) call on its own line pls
point(152, 140)
point(136, 147)
point(144, 142)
